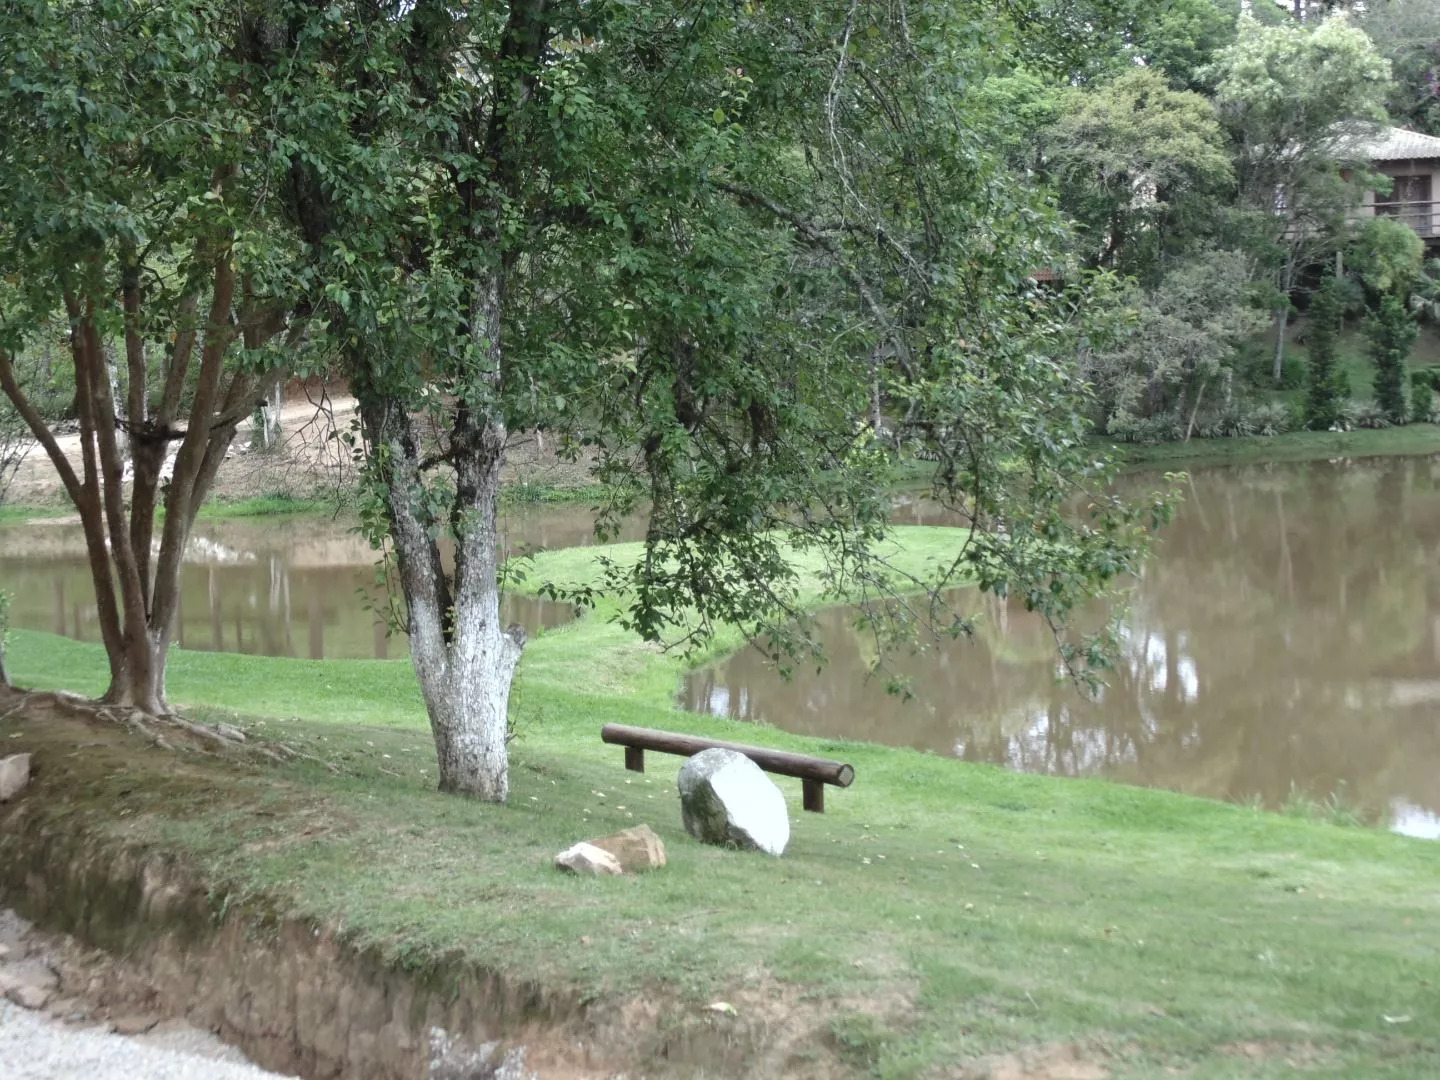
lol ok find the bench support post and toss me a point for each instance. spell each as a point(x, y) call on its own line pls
point(813, 793)
point(635, 758)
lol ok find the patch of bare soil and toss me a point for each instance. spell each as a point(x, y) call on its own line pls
point(1061, 1061)
point(312, 456)
point(1300, 1055)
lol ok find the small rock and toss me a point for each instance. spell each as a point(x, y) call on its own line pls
point(586, 858)
point(14, 775)
point(135, 1024)
point(29, 995)
point(63, 1008)
point(726, 799)
point(634, 849)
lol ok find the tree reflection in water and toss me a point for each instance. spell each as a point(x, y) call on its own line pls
point(1285, 639)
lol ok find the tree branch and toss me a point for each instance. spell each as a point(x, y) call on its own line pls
point(814, 236)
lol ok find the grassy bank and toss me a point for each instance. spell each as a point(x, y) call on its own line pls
point(938, 915)
point(1291, 446)
point(280, 504)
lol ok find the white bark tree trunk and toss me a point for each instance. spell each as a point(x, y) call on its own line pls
point(464, 659)
point(267, 427)
point(466, 679)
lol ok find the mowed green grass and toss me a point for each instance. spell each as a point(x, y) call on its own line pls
point(937, 913)
point(1291, 446)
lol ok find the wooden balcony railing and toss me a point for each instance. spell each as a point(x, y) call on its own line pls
point(1423, 217)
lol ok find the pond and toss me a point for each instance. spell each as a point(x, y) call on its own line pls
point(1284, 644)
point(301, 586)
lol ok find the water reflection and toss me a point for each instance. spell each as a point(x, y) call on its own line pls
point(275, 587)
point(1286, 639)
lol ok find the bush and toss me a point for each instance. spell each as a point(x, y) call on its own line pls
point(1292, 372)
point(1391, 333)
point(1422, 396)
point(1148, 430)
point(1272, 418)
point(1363, 414)
point(1323, 393)
point(1229, 423)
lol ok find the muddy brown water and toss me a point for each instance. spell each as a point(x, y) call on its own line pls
point(302, 586)
point(1283, 644)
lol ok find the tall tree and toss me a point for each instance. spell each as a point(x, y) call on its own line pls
point(1407, 33)
point(1183, 37)
point(1132, 158)
point(707, 246)
point(134, 207)
point(1322, 389)
point(1300, 100)
point(1391, 332)
point(1181, 337)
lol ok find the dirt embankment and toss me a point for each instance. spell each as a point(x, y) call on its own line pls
point(310, 459)
point(147, 932)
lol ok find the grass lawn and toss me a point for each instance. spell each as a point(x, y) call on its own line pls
point(1292, 446)
point(937, 915)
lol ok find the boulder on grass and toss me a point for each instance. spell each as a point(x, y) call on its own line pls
point(586, 858)
point(726, 799)
point(634, 849)
point(14, 775)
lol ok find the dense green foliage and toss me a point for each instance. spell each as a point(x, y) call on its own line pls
point(747, 262)
point(1407, 32)
point(1322, 390)
point(1392, 334)
point(1136, 135)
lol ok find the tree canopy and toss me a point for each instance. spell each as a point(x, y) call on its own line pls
point(746, 262)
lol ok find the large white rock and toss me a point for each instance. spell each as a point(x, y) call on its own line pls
point(586, 858)
point(14, 775)
point(726, 799)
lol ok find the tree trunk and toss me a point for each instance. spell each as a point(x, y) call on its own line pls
point(136, 591)
point(1282, 312)
point(267, 427)
point(1282, 316)
point(464, 660)
point(465, 674)
point(1199, 396)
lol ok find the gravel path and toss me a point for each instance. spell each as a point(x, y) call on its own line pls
point(35, 1047)
point(40, 1045)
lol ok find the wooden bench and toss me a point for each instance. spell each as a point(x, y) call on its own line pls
point(814, 772)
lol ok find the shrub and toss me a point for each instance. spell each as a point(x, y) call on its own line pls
point(1323, 396)
point(1272, 418)
point(1229, 423)
point(1162, 427)
point(1422, 396)
point(1364, 414)
point(1391, 333)
point(1292, 372)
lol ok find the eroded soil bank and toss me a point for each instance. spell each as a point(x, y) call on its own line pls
point(151, 934)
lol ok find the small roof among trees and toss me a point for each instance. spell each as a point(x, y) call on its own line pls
point(1400, 144)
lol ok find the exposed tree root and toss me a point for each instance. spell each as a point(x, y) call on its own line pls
point(160, 730)
point(168, 731)
point(284, 753)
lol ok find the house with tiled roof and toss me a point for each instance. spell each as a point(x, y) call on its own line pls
point(1412, 162)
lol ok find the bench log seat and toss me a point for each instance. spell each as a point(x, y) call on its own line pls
point(813, 772)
